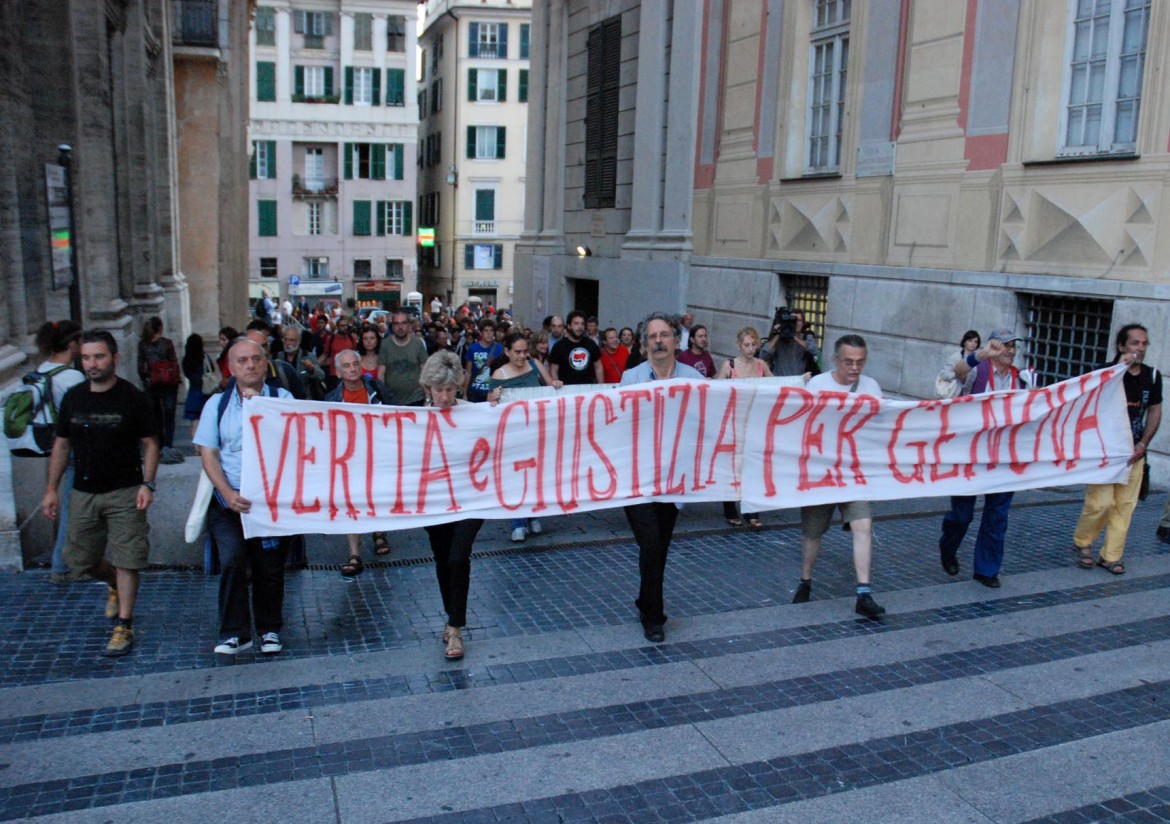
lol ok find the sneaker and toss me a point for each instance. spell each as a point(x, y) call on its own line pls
point(868, 607)
point(120, 642)
point(803, 593)
point(230, 646)
point(112, 604)
point(519, 534)
point(534, 527)
point(1163, 534)
point(270, 643)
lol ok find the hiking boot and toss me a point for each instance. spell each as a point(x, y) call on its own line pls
point(120, 642)
point(112, 603)
point(868, 607)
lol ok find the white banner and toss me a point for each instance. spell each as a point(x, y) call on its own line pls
point(311, 467)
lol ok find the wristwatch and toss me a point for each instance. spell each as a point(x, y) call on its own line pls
point(149, 485)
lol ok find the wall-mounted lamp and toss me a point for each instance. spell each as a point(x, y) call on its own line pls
point(584, 251)
point(452, 175)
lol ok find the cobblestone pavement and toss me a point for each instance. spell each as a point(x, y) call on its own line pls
point(1046, 700)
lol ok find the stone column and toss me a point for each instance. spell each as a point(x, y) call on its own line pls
point(534, 189)
point(649, 117)
point(552, 103)
point(378, 33)
point(345, 38)
point(410, 88)
point(686, 37)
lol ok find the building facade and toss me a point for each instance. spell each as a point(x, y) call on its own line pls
point(904, 169)
point(333, 132)
point(94, 77)
point(473, 102)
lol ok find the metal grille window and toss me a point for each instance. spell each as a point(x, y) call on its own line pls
point(828, 61)
point(394, 268)
point(1066, 336)
point(362, 270)
point(809, 294)
point(265, 26)
point(195, 23)
point(268, 267)
point(1103, 84)
point(396, 33)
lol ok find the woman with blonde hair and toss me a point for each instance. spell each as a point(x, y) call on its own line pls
point(451, 543)
point(744, 365)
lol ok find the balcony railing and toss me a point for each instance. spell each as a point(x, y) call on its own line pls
point(480, 228)
point(196, 23)
point(320, 187)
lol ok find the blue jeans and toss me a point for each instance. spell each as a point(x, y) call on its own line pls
point(992, 530)
point(66, 494)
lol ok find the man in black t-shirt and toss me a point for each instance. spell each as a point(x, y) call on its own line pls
point(105, 421)
point(576, 359)
point(1109, 507)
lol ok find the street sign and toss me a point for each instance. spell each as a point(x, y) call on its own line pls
point(294, 280)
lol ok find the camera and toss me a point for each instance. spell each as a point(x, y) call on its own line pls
point(784, 323)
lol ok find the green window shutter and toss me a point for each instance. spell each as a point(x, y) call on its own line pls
point(469, 256)
point(361, 217)
point(252, 162)
point(473, 41)
point(395, 87)
point(380, 226)
point(500, 143)
point(472, 83)
point(498, 255)
point(523, 93)
point(524, 28)
point(407, 226)
point(299, 81)
point(328, 81)
point(485, 204)
point(376, 80)
point(471, 142)
point(271, 159)
point(347, 161)
point(502, 85)
point(378, 161)
point(265, 81)
point(266, 217)
point(503, 47)
point(349, 85)
point(398, 160)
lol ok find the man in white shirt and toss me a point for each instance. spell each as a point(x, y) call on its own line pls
point(849, 356)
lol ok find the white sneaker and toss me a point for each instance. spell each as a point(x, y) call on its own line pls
point(230, 646)
point(270, 643)
point(534, 526)
point(519, 534)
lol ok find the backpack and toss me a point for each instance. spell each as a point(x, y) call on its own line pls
point(30, 417)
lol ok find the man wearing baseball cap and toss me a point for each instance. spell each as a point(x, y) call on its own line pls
point(994, 372)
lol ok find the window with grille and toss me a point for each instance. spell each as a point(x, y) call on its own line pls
point(396, 33)
point(810, 295)
point(1103, 83)
point(362, 270)
point(265, 26)
point(487, 41)
point(1066, 336)
point(363, 31)
point(828, 61)
point(436, 53)
point(603, 83)
point(268, 267)
point(393, 268)
point(317, 267)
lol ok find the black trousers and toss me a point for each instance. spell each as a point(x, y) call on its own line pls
point(237, 557)
point(653, 526)
point(451, 545)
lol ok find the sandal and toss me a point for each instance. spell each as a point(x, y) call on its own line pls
point(353, 567)
point(736, 522)
point(381, 545)
point(1084, 556)
point(1114, 567)
point(453, 638)
point(755, 523)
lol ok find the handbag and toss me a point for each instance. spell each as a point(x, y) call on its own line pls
point(197, 518)
point(1144, 489)
point(164, 373)
point(210, 377)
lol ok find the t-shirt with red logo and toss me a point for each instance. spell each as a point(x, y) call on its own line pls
point(575, 360)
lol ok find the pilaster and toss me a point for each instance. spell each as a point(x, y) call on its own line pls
point(649, 117)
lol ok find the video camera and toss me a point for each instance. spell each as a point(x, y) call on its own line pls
point(783, 324)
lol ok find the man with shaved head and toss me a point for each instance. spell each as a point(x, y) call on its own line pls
point(221, 435)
